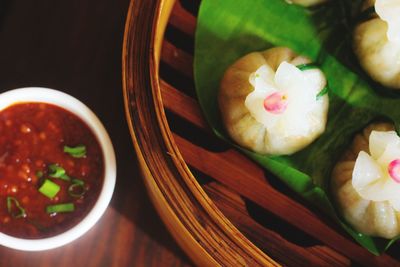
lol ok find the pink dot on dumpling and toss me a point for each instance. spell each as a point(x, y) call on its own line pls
point(276, 103)
point(394, 170)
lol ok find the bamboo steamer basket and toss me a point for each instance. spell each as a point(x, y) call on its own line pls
point(221, 208)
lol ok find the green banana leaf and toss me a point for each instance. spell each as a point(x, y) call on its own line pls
point(229, 29)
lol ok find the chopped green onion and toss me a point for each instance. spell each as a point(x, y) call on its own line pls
point(66, 207)
point(65, 177)
point(323, 92)
point(307, 66)
point(58, 172)
point(49, 188)
point(76, 152)
point(13, 202)
point(77, 181)
point(39, 174)
point(76, 189)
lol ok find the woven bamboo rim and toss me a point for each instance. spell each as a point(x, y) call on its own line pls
point(205, 234)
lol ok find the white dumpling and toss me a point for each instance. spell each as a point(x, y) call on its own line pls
point(306, 3)
point(366, 182)
point(377, 42)
point(270, 106)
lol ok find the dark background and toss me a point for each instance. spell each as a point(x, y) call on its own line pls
point(75, 46)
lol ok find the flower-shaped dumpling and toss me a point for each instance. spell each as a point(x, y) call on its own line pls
point(269, 105)
point(366, 182)
point(377, 42)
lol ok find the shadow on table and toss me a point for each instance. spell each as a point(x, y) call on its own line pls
point(4, 5)
point(132, 201)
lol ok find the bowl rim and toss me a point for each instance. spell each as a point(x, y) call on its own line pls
point(75, 106)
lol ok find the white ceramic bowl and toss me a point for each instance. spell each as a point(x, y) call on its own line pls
point(44, 95)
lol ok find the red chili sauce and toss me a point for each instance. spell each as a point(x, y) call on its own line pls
point(32, 139)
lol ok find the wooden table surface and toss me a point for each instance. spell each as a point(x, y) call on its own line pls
point(75, 46)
